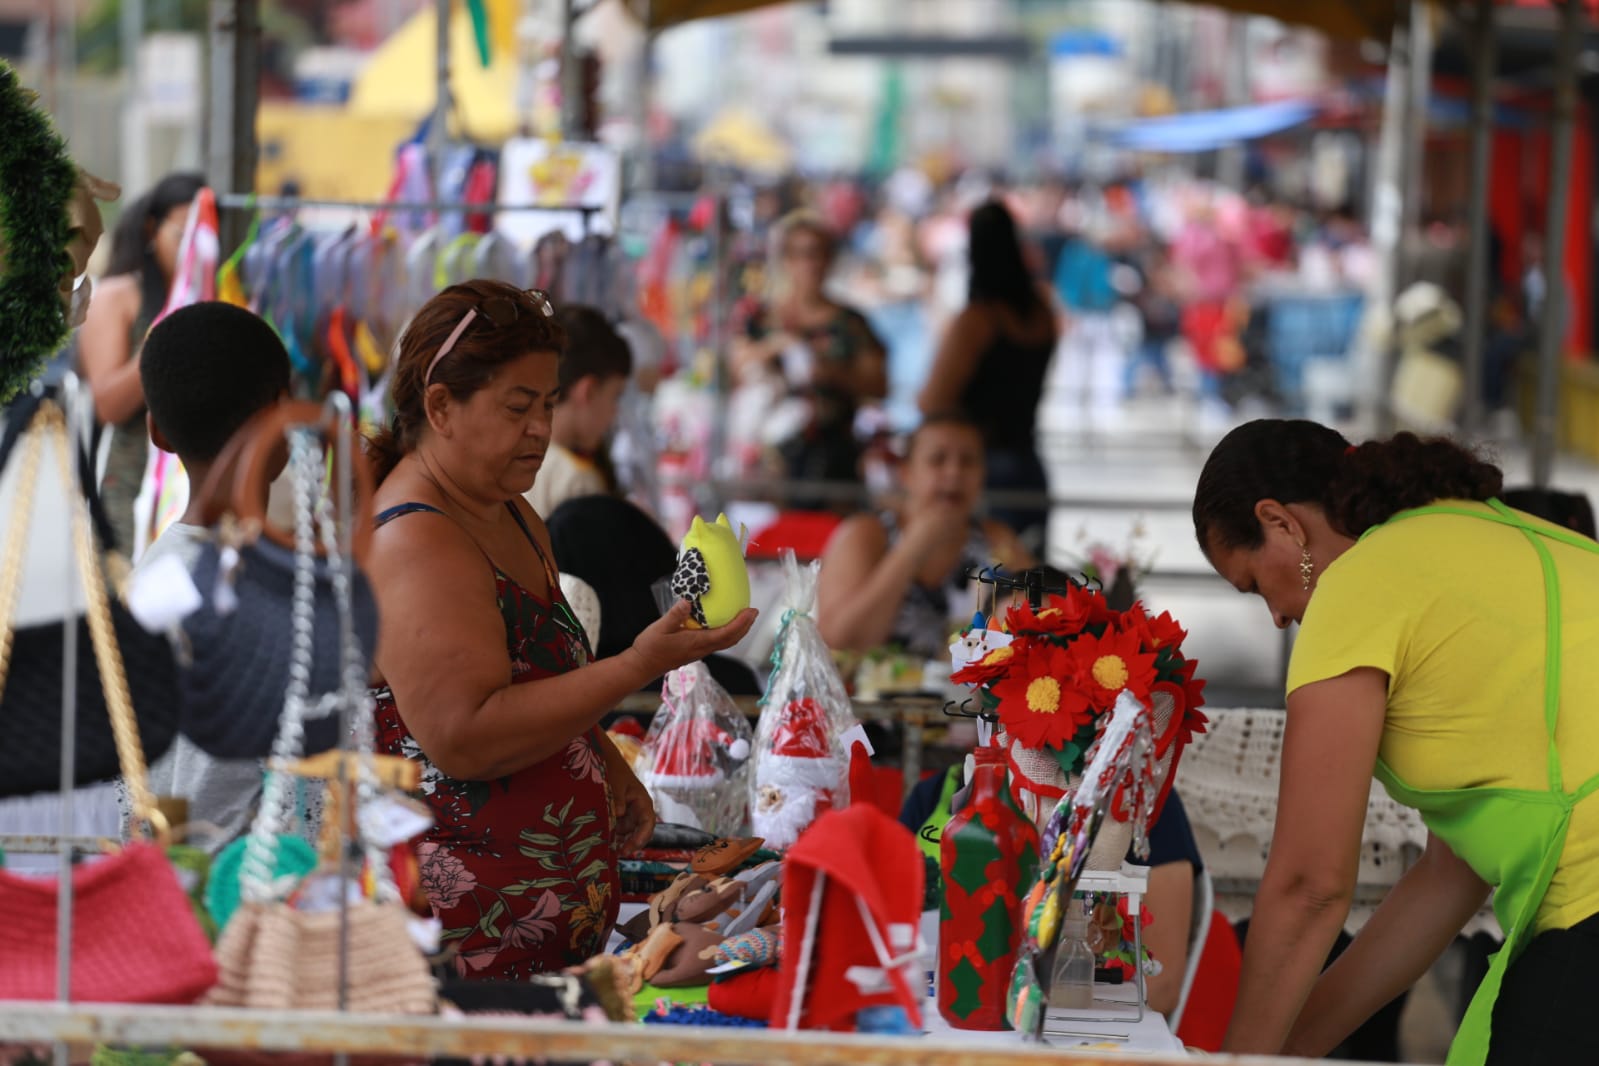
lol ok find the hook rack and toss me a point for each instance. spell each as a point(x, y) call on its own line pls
point(959, 710)
point(1037, 582)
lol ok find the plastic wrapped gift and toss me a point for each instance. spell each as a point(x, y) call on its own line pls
point(802, 741)
point(696, 756)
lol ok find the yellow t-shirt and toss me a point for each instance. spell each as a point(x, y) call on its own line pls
point(1452, 610)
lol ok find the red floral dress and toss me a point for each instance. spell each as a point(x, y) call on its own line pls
point(520, 870)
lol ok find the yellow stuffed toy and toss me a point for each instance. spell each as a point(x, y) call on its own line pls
point(711, 574)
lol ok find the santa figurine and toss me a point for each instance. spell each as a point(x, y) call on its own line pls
point(690, 769)
point(797, 780)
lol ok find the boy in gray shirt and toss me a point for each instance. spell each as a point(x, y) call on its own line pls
point(207, 369)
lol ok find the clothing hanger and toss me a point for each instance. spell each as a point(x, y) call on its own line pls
point(454, 259)
point(230, 275)
point(495, 257)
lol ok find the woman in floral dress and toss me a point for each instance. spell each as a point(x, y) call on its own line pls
point(486, 678)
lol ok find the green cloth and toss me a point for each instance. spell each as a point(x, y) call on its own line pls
point(296, 858)
point(931, 834)
point(1512, 838)
point(649, 995)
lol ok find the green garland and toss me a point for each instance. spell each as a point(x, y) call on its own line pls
point(37, 179)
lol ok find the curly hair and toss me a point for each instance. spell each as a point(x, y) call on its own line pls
point(478, 354)
point(1358, 487)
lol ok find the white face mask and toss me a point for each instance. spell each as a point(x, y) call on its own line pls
point(82, 290)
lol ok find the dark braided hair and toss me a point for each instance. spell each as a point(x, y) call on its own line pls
point(1296, 461)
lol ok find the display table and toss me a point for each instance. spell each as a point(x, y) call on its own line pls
point(1146, 1036)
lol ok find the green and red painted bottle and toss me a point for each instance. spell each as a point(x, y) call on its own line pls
point(989, 857)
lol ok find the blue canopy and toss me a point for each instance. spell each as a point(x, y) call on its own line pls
point(1084, 43)
point(1202, 131)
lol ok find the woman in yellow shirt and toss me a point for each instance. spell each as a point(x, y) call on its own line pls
point(1446, 646)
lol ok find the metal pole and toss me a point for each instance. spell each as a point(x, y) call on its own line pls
point(66, 67)
point(571, 75)
point(644, 100)
point(1552, 327)
point(135, 154)
point(1416, 130)
point(1483, 62)
point(69, 738)
point(235, 74)
point(443, 102)
point(1387, 227)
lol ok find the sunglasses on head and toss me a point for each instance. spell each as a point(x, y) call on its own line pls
point(500, 311)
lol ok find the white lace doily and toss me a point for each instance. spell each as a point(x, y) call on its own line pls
point(1228, 780)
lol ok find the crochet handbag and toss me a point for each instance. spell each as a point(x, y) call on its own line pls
point(30, 690)
point(273, 954)
point(240, 638)
point(135, 937)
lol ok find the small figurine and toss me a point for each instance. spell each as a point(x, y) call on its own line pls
point(711, 573)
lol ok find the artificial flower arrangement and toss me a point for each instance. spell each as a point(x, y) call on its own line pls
point(1053, 683)
point(1109, 565)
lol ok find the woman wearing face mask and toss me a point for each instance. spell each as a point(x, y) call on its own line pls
point(144, 257)
point(899, 578)
point(824, 353)
point(487, 679)
point(1447, 646)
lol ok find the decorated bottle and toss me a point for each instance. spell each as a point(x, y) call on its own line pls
point(989, 857)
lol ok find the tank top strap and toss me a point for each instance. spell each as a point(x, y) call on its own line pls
point(400, 510)
point(527, 531)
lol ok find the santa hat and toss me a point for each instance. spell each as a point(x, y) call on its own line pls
point(802, 750)
point(684, 755)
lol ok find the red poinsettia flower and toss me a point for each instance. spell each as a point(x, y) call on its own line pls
point(1040, 704)
point(1154, 634)
point(1145, 918)
point(1194, 690)
point(1060, 616)
point(995, 664)
point(1105, 665)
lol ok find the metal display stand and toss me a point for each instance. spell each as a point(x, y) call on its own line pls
point(336, 412)
point(1131, 882)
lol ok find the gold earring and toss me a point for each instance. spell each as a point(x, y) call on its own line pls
point(1307, 569)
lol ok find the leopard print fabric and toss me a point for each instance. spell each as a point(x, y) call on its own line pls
point(691, 580)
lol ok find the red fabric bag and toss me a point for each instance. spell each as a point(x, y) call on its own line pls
point(134, 935)
point(859, 874)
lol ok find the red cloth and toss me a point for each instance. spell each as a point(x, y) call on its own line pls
point(749, 995)
point(863, 856)
point(806, 532)
point(135, 938)
point(1215, 990)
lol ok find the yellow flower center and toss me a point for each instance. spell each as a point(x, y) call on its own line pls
point(999, 655)
point(1110, 672)
point(1043, 695)
point(1047, 613)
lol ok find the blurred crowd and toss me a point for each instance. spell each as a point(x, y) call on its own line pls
point(853, 294)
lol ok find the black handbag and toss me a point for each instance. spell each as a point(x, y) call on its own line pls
point(240, 640)
point(31, 675)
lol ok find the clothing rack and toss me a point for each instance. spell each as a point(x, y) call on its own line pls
point(247, 202)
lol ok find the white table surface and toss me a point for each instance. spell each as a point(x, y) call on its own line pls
point(1149, 1036)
